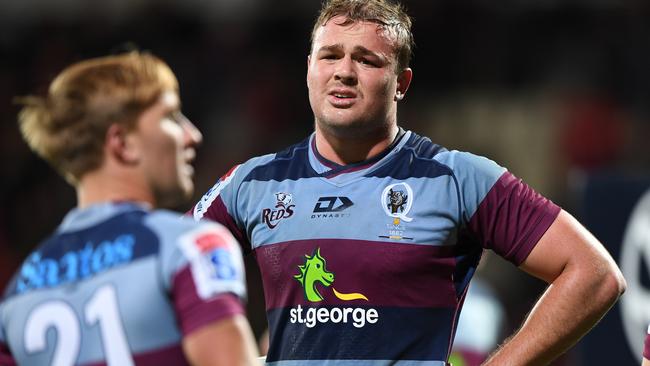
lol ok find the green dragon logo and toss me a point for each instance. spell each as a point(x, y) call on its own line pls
point(314, 271)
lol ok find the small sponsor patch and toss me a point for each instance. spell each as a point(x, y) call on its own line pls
point(215, 261)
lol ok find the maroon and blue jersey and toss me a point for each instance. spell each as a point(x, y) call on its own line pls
point(369, 263)
point(646, 346)
point(118, 284)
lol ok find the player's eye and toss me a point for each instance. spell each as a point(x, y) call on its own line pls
point(368, 62)
point(318, 265)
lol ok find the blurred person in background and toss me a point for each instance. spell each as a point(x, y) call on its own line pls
point(480, 325)
point(121, 282)
point(368, 235)
point(634, 261)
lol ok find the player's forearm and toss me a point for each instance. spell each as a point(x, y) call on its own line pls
point(227, 342)
point(571, 306)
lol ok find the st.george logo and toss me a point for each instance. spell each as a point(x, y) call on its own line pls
point(283, 210)
point(313, 272)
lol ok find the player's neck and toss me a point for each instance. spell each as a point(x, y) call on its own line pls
point(101, 186)
point(344, 151)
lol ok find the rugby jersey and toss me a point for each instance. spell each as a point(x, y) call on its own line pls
point(369, 263)
point(118, 284)
point(646, 346)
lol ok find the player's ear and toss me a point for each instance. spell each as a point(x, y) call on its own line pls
point(403, 82)
point(308, 64)
point(121, 144)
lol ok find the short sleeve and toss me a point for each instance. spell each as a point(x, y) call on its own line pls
point(219, 203)
point(209, 284)
point(646, 347)
point(6, 359)
point(500, 211)
point(512, 218)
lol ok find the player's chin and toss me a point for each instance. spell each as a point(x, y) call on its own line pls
point(177, 195)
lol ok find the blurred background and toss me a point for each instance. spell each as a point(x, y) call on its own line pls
point(557, 91)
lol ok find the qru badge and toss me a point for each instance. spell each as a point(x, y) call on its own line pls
point(396, 200)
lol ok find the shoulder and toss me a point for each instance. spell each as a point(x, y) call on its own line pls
point(191, 238)
point(291, 154)
point(458, 163)
point(173, 224)
point(461, 161)
point(291, 163)
point(259, 166)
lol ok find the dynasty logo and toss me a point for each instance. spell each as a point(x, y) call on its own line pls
point(283, 210)
point(314, 272)
point(331, 207)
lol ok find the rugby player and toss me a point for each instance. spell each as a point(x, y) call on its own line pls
point(368, 235)
point(646, 350)
point(121, 282)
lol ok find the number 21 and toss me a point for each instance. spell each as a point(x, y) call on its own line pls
point(101, 308)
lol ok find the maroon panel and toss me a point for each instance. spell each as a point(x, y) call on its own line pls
point(192, 311)
point(512, 218)
point(171, 355)
point(388, 274)
point(6, 359)
point(646, 349)
point(219, 213)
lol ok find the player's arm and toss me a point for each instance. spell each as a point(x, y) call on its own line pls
point(226, 342)
point(584, 282)
point(207, 287)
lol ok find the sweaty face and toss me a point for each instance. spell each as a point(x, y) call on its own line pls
point(167, 144)
point(351, 78)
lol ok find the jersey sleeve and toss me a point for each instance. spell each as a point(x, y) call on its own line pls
point(227, 202)
point(646, 347)
point(6, 359)
point(204, 274)
point(219, 203)
point(502, 212)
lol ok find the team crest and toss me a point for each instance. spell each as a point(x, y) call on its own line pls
point(396, 200)
point(284, 200)
point(283, 209)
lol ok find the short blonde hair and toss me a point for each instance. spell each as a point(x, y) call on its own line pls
point(68, 127)
point(390, 16)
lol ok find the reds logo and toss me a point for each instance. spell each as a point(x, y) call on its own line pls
point(284, 210)
point(284, 200)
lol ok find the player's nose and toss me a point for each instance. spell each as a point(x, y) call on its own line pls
point(191, 134)
point(345, 71)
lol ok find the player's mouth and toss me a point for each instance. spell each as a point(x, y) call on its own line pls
point(188, 158)
point(342, 98)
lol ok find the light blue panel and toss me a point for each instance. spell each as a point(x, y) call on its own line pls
point(475, 174)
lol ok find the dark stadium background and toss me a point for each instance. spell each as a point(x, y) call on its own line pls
point(557, 91)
